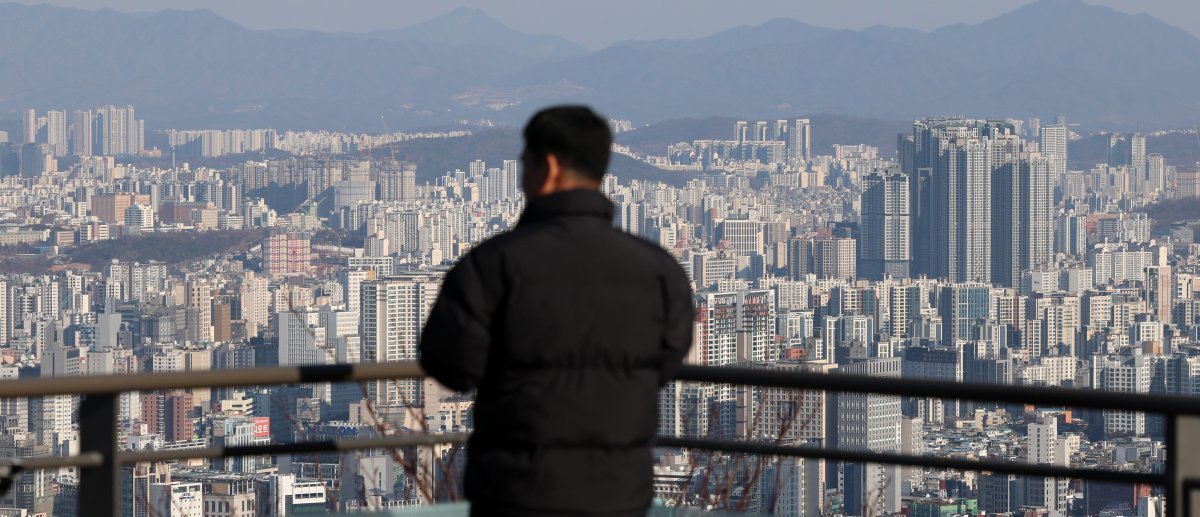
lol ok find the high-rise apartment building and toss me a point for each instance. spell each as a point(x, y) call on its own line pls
point(199, 300)
point(964, 170)
point(741, 235)
point(870, 422)
point(82, 126)
point(1128, 150)
point(117, 131)
point(56, 132)
point(1047, 448)
point(29, 126)
point(1022, 228)
point(1156, 172)
point(800, 486)
point(795, 417)
point(801, 140)
point(831, 257)
point(954, 164)
point(1070, 234)
point(286, 254)
point(741, 132)
point(1054, 139)
point(302, 339)
point(884, 243)
point(733, 327)
point(1129, 372)
point(397, 181)
point(1159, 293)
point(393, 310)
point(169, 415)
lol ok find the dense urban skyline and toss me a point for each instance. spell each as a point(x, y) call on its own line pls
point(977, 254)
point(976, 205)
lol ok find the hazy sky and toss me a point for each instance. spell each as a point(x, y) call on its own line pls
point(598, 23)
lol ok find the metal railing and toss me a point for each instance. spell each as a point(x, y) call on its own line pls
point(99, 460)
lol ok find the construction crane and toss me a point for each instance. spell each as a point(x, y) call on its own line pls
point(387, 134)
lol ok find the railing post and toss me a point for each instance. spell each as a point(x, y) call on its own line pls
point(1183, 464)
point(99, 487)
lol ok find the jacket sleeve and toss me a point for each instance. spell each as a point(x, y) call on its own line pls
point(456, 337)
point(677, 336)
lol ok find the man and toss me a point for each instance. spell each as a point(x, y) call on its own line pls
point(567, 328)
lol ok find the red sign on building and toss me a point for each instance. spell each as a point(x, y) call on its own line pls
point(262, 427)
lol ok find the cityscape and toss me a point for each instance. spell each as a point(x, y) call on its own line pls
point(987, 248)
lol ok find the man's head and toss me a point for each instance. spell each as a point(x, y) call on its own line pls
point(566, 148)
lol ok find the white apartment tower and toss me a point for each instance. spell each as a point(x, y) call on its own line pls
point(393, 311)
point(1054, 140)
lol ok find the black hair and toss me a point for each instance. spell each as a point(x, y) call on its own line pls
point(576, 135)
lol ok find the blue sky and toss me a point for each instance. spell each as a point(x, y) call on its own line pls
point(598, 23)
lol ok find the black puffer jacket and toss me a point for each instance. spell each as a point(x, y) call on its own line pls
point(567, 327)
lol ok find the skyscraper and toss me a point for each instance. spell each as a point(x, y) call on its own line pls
point(56, 132)
point(1129, 150)
point(392, 311)
point(82, 124)
point(1070, 234)
point(963, 194)
point(1137, 152)
point(1022, 227)
point(1158, 292)
point(512, 179)
point(397, 181)
point(29, 126)
point(884, 244)
point(1054, 146)
point(954, 165)
point(734, 327)
point(801, 136)
point(1156, 172)
point(780, 131)
point(117, 131)
point(1046, 448)
point(870, 422)
point(200, 298)
point(761, 131)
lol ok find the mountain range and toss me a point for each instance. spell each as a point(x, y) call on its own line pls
point(195, 69)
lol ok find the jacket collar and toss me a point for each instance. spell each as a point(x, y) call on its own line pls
point(584, 202)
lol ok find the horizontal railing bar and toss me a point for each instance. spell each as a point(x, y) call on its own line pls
point(1009, 393)
point(938, 462)
point(756, 448)
point(382, 442)
point(1006, 393)
point(111, 384)
point(87, 459)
